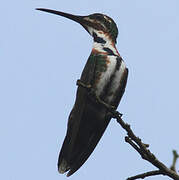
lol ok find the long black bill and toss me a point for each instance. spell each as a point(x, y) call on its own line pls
point(78, 19)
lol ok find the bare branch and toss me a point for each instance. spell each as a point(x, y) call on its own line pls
point(175, 157)
point(145, 153)
point(147, 174)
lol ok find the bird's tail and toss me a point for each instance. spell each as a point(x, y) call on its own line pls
point(63, 166)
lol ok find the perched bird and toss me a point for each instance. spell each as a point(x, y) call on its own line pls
point(106, 72)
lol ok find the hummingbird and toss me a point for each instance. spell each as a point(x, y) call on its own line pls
point(106, 72)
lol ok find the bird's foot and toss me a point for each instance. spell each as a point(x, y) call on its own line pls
point(80, 83)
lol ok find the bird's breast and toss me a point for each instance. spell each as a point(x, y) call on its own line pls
point(108, 80)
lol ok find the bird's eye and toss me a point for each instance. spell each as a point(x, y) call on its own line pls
point(99, 17)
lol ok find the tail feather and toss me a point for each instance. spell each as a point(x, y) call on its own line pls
point(63, 167)
point(83, 156)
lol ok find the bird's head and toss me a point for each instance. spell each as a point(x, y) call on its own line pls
point(96, 24)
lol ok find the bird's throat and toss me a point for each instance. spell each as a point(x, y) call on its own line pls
point(103, 44)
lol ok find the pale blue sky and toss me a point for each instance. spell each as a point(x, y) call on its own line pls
point(42, 56)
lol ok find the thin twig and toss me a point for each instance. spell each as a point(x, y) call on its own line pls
point(175, 157)
point(147, 174)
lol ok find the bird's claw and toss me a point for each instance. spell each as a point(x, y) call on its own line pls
point(80, 83)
